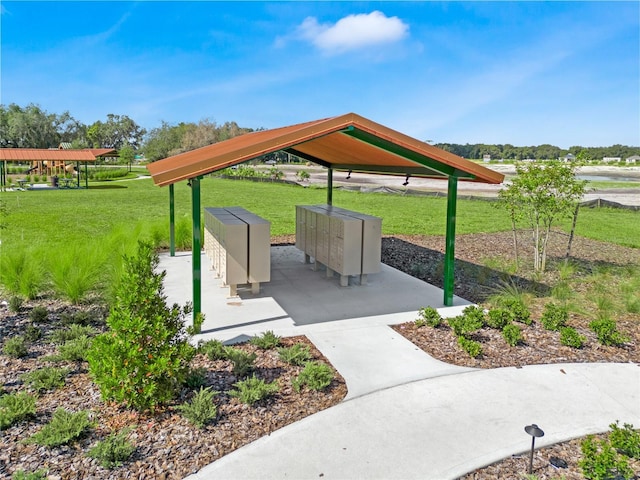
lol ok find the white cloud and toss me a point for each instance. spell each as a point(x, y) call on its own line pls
point(353, 32)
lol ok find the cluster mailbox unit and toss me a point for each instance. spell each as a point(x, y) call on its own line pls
point(345, 242)
point(238, 243)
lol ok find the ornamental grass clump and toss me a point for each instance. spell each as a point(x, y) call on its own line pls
point(200, 410)
point(15, 407)
point(253, 390)
point(266, 341)
point(297, 354)
point(315, 376)
point(114, 450)
point(64, 427)
point(144, 357)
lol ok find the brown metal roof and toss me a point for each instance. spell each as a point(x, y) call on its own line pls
point(39, 154)
point(346, 142)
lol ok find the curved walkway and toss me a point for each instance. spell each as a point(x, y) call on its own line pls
point(441, 428)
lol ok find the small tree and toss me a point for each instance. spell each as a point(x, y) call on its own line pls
point(540, 195)
point(144, 356)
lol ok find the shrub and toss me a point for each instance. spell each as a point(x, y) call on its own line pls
point(463, 325)
point(74, 332)
point(499, 318)
point(16, 347)
point(428, 316)
point(32, 333)
point(15, 303)
point(241, 360)
point(297, 354)
point(266, 341)
point(198, 320)
point(252, 390)
point(473, 348)
point(601, 462)
point(15, 407)
point(571, 338)
point(24, 475)
point(625, 440)
point(113, 450)
point(82, 318)
point(315, 375)
point(38, 314)
point(200, 410)
point(512, 334)
point(196, 377)
point(214, 349)
point(64, 427)
point(144, 357)
point(519, 310)
point(76, 350)
point(607, 332)
point(554, 316)
point(46, 378)
point(474, 315)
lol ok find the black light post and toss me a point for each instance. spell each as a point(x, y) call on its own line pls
point(534, 431)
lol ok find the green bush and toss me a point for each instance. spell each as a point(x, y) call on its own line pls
point(241, 360)
point(38, 314)
point(46, 378)
point(24, 475)
point(266, 341)
point(499, 318)
point(16, 347)
point(297, 354)
point(464, 325)
point(214, 349)
point(315, 375)
point(474, 315)
point(600, 461)
point(76, 350)
point(570, 337)
point(196, 377)
point(15, 303)
point(73, 332)
point(144, 357)
point(64, 427)
point(512, 334)
point(253, 390)
point(607, 332)
point(473, 348)
point(428, 316)
point(32, 333)
point(625, 440)
point(200, 410)
point(114, 450)
point(554, 316)
point(81, 318)
point(15, 407)
point(520, 311)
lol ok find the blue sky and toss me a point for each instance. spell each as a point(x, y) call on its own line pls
point(524, 73)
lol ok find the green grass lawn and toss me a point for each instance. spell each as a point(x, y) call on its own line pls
point(61, 217)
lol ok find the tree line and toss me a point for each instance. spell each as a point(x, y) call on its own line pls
point(33, 127)
point(540, 152)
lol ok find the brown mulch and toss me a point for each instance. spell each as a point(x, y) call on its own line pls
point(167, 445)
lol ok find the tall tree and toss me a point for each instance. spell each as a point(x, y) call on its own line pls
point(116, 132)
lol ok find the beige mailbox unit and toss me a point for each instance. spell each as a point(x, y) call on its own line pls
point(238, 243)
point(346, 242)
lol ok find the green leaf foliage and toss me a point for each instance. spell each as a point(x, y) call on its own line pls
point(214, 349)
point(64, 427)
point(600, 461)
point(46, 378)
point(315, 376)
point(253, 390)
point(473, 348)
point(24, 475)
point(200, 410)
point(571, 338)
point(297, 354)
point(144, 356)
point(16, 347)
point(512, 334)
point(266, 341)
point(499, 318)
point(428, 316)
point(554, 316)
point(625, 440)
point(15, 407)
point(114, 450)
point(607, 332)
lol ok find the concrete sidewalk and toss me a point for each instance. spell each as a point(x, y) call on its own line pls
point(406, 414)
point(441, 428)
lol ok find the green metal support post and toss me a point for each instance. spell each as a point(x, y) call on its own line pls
point(172, 223)
point(86, 176)
point(195, 249)
point(330, 186)
point(449, 254)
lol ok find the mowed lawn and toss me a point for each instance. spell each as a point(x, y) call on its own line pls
point(54, 219)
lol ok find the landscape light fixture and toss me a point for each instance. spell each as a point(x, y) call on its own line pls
point(406, 180)
point(349, 175)
point(534, 431)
